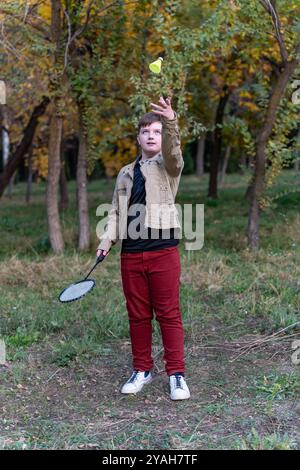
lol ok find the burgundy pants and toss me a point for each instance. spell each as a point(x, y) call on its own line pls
point(151, 282)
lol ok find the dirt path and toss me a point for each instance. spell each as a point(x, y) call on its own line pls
point(234, 403)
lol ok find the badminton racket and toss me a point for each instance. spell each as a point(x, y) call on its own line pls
point(78, 289)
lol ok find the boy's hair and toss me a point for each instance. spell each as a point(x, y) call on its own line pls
point(148, 119)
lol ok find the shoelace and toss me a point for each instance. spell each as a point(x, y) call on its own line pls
point(133, 377)
point(178, 382)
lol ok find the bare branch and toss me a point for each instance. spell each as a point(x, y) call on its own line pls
point(78, 32)
point(10, 49)
point(87, 18)
point(26, 11)
point(36, 4)
point(39, 18)
point(30, 21)
point(271, 8)
point(69, 38)
point(6, 44)
point(81, 30)
point(120, 2)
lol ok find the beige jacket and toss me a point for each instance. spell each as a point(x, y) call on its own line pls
point(162, 175)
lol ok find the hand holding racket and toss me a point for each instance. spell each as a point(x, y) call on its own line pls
point(102, 252)
point(79, 289)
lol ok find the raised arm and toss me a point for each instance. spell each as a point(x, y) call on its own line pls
point(171, 149)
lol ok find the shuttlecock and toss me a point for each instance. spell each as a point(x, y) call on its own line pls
point(155, 67)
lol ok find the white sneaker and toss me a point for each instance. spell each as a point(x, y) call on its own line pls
point(136, 382)
point(178, 388)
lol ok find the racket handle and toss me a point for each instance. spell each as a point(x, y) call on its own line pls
point(100, 258)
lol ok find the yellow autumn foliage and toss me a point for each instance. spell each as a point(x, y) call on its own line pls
point(40, 162)
point(113, 161)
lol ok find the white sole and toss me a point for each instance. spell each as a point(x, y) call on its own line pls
point(134, 393)
point(179, 399)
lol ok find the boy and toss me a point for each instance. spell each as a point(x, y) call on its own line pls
point(150, 264)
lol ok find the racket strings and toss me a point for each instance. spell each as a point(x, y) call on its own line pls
point(75, 291)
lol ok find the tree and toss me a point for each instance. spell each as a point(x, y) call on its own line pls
point(17, 157)
point(27, 99)
point(289, 62)
point(57, 82)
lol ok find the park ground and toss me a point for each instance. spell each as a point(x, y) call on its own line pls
point(60, 388)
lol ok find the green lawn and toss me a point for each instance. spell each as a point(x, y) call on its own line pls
point(241, 316)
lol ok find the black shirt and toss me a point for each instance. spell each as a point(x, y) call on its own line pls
point(149, 238)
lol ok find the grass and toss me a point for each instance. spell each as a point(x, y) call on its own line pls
point(274, 441)
point(67, 362)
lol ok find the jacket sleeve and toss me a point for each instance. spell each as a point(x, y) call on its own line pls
point(171, 149)
point(111, 229)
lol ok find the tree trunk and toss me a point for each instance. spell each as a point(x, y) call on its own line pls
point(260, 160)
point(82, 196)
point(200, 155)
point(217, 146)
point(253, 222)
point(297, 153)
point(63, 185)
point(29, 179)
point(5, 147)
point(255, 192)
point(243, 164)
point(11, 186)
point(56, 127)
point(249, 190)
point(5, 135)
point(54, 227)
point(16, 158)
point(224, 166)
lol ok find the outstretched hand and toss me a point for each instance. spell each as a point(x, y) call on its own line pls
point(164, 108)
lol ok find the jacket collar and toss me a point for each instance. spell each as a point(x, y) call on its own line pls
point(130, 167)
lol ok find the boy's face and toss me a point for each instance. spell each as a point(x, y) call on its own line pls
point(149, 138)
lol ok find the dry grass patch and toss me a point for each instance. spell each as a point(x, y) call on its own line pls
point(31, 274)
